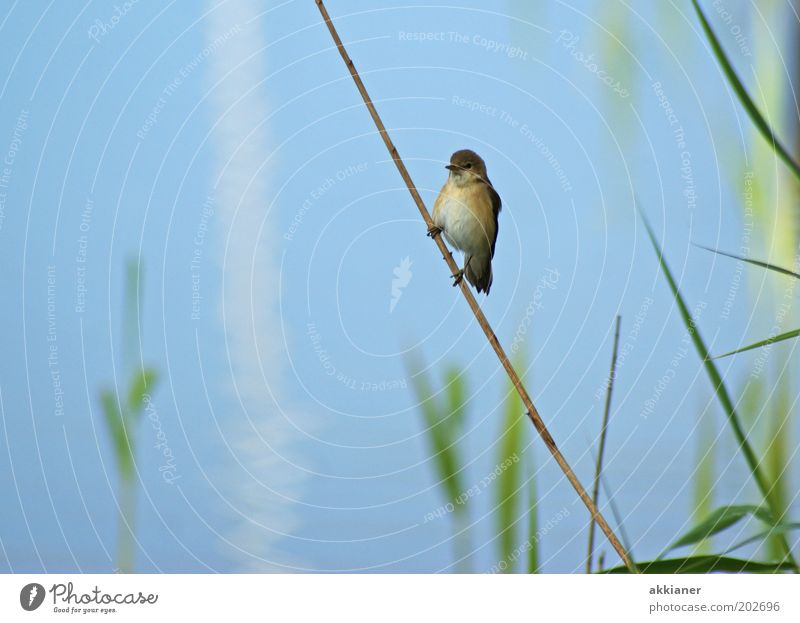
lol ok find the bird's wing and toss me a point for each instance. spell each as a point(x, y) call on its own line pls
point(497, 204)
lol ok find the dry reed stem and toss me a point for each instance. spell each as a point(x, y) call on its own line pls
point(533, 414)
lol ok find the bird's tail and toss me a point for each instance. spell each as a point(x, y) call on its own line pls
point(479, 272)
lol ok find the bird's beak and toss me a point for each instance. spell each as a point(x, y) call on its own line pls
point(451, 167)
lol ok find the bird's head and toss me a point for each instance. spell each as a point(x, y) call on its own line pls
point(466, 167)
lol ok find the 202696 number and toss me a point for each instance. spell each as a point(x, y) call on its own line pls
point(758, 606)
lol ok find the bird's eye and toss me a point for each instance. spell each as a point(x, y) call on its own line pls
point(468, 165)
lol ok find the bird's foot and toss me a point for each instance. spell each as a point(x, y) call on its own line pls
point(434, 231)
point(458, 277)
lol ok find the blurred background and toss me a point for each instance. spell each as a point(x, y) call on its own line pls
point(196, 190)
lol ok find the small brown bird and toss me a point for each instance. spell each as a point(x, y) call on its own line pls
point(466, 210)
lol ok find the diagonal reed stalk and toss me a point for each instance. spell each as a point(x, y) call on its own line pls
point(533, 414)
point(602, 447)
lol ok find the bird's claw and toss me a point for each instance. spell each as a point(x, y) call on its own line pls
point(434, 231)
point(458, 277)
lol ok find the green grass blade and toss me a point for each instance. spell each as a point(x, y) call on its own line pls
point(716, 379)
point(598, 469)
point(615, 513)
point(711, 368)
point(706, 564)
point(509, 481)
point(763, 536)
point(142, 383)
point(442, 446)
point(623, 533)
point(533, 515)
point(456, 397)
point(789, 335)
point(719, 520)
point(752, 110)
point(753, 399)
point(777, 269)
point(703, 481)
point(442, 428)
point(777, 457)
point(116, 428)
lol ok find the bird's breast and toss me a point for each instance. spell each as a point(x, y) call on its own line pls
point(466, 217)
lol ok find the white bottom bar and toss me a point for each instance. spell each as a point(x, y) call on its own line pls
point(401, 598)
